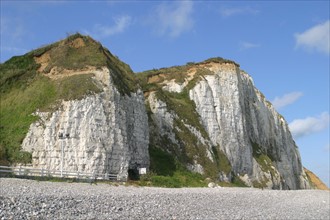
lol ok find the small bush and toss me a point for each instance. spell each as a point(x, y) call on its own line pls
point(165, 181)
point(161, 162)
point(178, 180)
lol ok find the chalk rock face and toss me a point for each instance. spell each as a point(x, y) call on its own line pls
point(107, 133)
point(205, 117)
point(238, 121)
point(99, 117)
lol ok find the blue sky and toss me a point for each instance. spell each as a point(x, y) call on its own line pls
point(283, 45)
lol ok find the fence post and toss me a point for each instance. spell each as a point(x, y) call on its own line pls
point(19, 170)
point(78, 175)
point(42, 172)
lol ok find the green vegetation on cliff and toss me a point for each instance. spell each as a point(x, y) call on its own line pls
point(20, 97)
point(166, 171)
point(20, 100)
point(192, 149)
point(265, 162)
point(187, 124)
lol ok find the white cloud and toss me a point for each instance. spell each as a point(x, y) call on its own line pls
point(121, 24)
point(287, 99)
point(248, 45)
point(316, 38)
point(303, 127)
point(174, 19)
point(227, 12)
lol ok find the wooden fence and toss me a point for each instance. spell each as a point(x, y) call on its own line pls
point(35, 172)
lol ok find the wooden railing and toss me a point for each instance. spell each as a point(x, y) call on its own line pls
point(35, 172)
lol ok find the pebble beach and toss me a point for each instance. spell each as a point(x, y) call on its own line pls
point(31, 199)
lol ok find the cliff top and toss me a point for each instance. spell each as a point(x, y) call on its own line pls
point(180, 71)
point(189, 74)
point(79, 54)
point(75, 55)
point(74, 52)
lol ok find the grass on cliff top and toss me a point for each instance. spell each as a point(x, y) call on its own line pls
point(178, 73)
point(64, 55)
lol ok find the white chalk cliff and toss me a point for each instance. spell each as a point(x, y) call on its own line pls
point(103, 132)
point(107, 133)
point(209, 116)
point(239, 121)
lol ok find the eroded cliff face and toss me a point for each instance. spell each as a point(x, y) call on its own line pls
point(238, 121)
point(108, 133)
point(208, 116)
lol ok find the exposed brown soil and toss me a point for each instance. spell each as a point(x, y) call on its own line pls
point(43, 61)
point(79, 42)
point(57, 73)
point(156, 78)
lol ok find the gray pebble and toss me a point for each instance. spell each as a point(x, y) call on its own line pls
point(28, 199)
